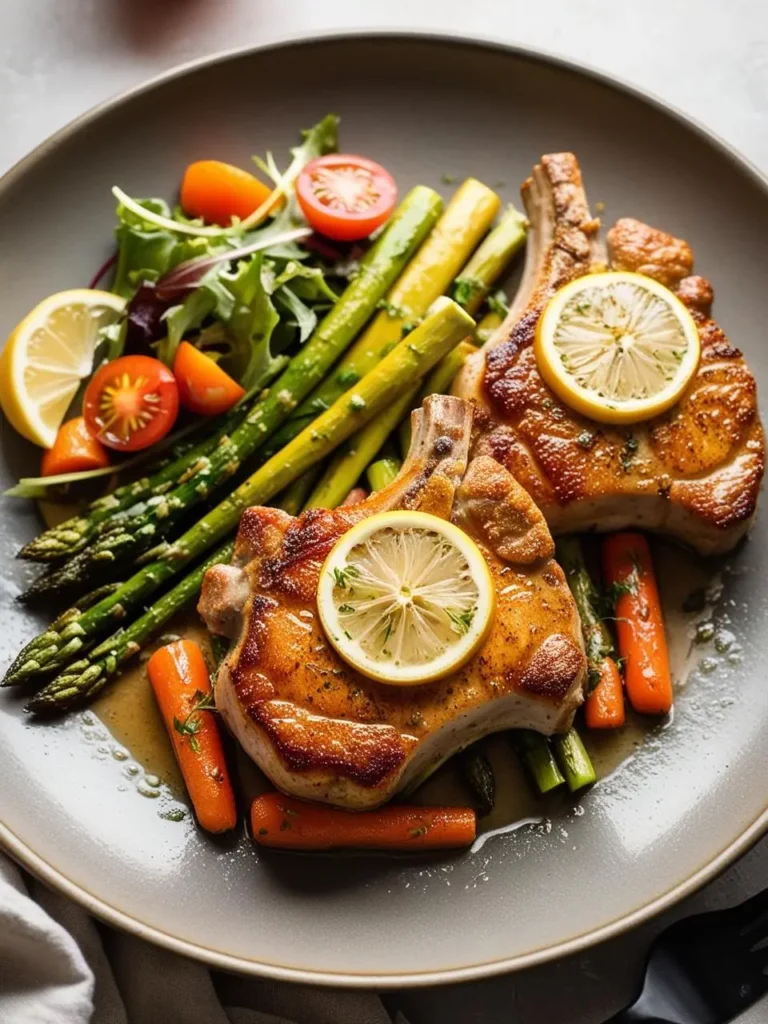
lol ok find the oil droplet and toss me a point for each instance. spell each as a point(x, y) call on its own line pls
point(148, 791)
point(152, 780)
point(119, 754)
point(174, 814)
point(724, 640)
point(704, 632)
point(708, 665)
point(131, 769)
point(88, 719)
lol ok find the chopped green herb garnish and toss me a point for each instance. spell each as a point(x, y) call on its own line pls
point(193, 722)
point(461, 620)
point(346, 378)
point(498, 304)
point(628, 452)
point(629, 585)
point(396, 312)
point(465, 288)
point(343, 576)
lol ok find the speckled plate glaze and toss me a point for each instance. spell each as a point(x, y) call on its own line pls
point(678, 808)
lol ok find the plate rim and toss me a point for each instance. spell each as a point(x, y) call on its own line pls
point(112, 915)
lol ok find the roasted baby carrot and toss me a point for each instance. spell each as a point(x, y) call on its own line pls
point(628, 572)
point(604, 707)
point(217, 192)
point(181, 684)
point(289, 824)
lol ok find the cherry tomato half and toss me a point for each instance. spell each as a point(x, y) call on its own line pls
point(345, 197)
point(131, 402)
point(204, 387)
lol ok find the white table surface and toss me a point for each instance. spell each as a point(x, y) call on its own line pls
point(707, 57)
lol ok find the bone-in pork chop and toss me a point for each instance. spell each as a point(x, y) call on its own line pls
point(318, 728)
point(693, 473)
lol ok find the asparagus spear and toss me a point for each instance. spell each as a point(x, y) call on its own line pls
point(486, 326)
point(465, 221)
point(348, 465)
point(574, 760)
point(84, 679)
point(472, 288)
point(382, 472)
point(378, 390)
point(537, 755)
point(479, 775)
point(146, 523)
point(73, 534)
point(597, 639)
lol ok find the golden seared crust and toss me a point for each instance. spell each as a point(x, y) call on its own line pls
point(551, 669)
point(697, 294)
point(494, 509)
point(693, 473)
point(635, 246)
point(319, 728)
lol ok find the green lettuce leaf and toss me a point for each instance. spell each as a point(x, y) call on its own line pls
point(146, 252)
point(251, 323)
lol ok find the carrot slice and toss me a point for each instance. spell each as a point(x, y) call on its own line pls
point(604, 707)
point(181, 683)
point(74, 450)
point(217, 192)
point(628, 571)
point(285, 823)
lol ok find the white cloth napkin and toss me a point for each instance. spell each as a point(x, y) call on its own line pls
point(57, 966)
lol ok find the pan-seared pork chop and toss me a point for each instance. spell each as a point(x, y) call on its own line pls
point(693, 473)
point(322, 731)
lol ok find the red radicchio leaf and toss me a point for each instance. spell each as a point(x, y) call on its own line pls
point(107, 265)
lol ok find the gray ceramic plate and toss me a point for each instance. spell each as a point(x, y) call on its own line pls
point(682, 803)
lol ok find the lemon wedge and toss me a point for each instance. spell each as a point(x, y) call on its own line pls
point(48, 354)
point(406, 597)
point(617, 347)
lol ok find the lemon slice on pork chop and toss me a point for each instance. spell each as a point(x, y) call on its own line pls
point(406, 597)
point(617, 347)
